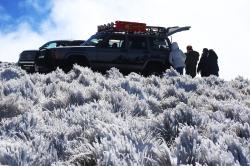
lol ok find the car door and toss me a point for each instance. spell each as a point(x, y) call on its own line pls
point(159, 49)
point(137, 53)
point(110, 51)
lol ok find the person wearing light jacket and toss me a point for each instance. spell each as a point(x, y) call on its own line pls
point(177, 58)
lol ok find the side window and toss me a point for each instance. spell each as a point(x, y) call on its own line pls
point(61, 44)
point(114, 42)
point(139, 43)
point(158, 44)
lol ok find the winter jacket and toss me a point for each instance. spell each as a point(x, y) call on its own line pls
point(203, 65)
point(176, 57)
point(208, 64)
point(212, 61)
point(191, 62)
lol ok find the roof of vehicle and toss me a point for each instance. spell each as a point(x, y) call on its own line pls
point(70, 41)
point(76, 42)
point(63, 43)
point(60, 41)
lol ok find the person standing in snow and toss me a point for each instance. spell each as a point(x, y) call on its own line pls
point(208, 64)
point(212, 61)
point(203, 63)
point(192, 58)
point(177, 58)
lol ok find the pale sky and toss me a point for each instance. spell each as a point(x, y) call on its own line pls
point(222, 25)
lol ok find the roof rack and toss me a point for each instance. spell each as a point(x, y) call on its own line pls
point(136, 27)
point(130, 27)
point(122, 26)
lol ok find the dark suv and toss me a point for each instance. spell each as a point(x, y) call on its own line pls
point(27, 57)
point(128, 46)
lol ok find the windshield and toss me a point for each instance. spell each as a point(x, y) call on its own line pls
point(50, 45)
point(94, 40)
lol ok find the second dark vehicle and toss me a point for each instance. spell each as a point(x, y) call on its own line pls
point(27, 57)
point(127, 46)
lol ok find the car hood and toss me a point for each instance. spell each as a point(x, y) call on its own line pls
point(28, 55)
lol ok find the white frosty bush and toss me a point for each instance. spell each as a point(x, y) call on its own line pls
point(86, 118)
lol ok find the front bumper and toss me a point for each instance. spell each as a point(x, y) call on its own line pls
point(27, 65)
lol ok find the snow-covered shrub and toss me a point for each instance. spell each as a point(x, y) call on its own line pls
point(86, 118)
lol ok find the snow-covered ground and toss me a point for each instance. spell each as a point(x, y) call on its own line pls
point(87, 118)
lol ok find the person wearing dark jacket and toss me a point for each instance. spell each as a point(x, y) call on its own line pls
point(212, 61)
point(203, 64)
point(192, 58)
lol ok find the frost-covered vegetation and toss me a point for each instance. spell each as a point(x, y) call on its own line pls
point(85, 118)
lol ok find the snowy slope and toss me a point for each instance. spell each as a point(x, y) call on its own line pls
point(87, 118)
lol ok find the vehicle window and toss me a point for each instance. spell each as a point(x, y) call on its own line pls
point(136, 42)
point(62, 44)
point(158, 43)
point(115, 42)
point(94, 40)
point(51, 45)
